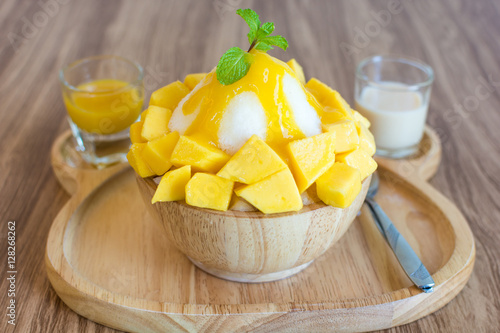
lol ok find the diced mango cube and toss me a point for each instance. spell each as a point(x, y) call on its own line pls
point(170, 95)
point(366, 139)
point(201, 156)
point(331, 115)
point(274, 194)
point(192, 80)
point(294, 65)
point(209, 191)
point(135, 133)
point(157, 152)
point(360, 160)
point(143, 115)
point(172, 186)
point(311, 157)
point(346, 135)
point(360, 118)
point(329, 97)
point(253, 162)
point(135, 159)
point(155, 122)
point(339, 186)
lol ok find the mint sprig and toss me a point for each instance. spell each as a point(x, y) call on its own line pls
point(235, 63)
point(253, 21)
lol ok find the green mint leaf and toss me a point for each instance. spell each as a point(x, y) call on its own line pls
point(265, 30)
point(233, 65)
point(278, 41)
point(262, 46)
point(253, 21)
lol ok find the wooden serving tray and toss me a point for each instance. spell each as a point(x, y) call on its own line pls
point(109, 261)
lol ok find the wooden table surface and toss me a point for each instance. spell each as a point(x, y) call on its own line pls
point(459, 39)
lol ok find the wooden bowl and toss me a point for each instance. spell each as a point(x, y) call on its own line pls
point(251, 246)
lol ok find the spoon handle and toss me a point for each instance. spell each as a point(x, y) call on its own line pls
point(408, 259)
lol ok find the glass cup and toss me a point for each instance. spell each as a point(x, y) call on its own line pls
point(393, 93)
point(103, 96)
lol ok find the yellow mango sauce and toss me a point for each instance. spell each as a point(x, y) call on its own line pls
point(264, 79)
point(104, 106)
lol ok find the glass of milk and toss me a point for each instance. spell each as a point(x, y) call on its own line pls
point(393, 93)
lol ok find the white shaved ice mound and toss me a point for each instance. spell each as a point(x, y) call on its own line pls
point(179, 121)
point(243, 117)
point(305, 115)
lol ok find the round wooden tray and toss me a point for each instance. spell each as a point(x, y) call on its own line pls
point(110, 262)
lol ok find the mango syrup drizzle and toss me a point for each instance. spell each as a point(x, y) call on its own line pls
point(212, 99)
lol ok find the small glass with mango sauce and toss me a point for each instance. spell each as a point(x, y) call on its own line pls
point(103, 95)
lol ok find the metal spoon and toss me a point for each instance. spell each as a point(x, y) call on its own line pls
point(408, 259)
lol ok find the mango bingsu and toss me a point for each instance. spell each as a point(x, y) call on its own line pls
point(252, 133)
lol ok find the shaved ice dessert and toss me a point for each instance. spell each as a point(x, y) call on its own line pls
point(252, 172)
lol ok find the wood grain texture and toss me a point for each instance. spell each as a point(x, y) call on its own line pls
point(110, 261)
point(458, 38)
